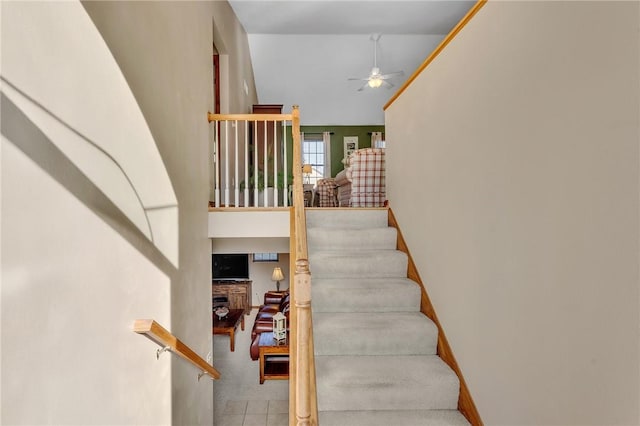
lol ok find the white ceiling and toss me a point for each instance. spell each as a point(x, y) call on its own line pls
point(304, 51)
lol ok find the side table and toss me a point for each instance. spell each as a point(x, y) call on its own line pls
point(273, 358)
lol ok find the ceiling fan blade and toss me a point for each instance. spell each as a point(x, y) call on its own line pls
point(363, 86)
point(392, 74)
point(388, 84)
point(359, 79)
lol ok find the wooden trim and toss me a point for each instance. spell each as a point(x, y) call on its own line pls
point(454, 32)
point(465, 402)
point(248, 209)
point(216, 83)
point(342, 208)
point(249, 117)
point(162, 337)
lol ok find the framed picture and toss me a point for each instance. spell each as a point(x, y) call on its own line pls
point(350, 145)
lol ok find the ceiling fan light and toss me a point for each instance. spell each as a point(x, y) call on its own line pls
point(374, 83)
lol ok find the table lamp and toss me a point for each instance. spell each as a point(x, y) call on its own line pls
point(306, 171)
point(277, 276)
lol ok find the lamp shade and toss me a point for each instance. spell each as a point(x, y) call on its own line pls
point(306, 169)
point(277, 274)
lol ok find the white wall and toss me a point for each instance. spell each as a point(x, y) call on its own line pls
point(76, 272)
point(513, 171)
point(261, 276)
point(248, 224)
point(101, 128)
point(74, 277)
point(71, 289)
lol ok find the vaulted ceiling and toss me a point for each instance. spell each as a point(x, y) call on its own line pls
point(304, 51)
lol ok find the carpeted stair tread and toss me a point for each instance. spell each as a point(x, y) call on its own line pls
point(365, 295)
point(393, 418)
point(352, 239)
point(420, 382)
point(347, 218)
point(392, 333)
point(348, 264)
point(375, 352)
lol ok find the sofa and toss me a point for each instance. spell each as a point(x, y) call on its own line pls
point(362, 182)
point(274, 302)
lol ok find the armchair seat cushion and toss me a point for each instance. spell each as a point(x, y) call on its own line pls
point(344, 188)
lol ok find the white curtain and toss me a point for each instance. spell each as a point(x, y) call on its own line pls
point(326, 138)
point(376, 140)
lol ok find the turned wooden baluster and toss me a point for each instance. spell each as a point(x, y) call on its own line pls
point(302, 282)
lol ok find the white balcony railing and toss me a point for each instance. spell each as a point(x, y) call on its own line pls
point(251, 160)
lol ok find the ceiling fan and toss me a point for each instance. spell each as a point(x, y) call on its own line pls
point(375, 79)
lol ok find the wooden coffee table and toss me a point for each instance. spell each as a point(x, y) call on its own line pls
point(228, 325)
point(274, 358)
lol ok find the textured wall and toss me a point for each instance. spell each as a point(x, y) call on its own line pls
point(75, 271)
point(164, 50)
point(513, 171)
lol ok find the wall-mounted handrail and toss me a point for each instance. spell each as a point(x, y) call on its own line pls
point(169, 342)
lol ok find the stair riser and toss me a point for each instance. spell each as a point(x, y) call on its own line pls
point(365, 295)
point(358, 300)
point(379, 264)
point(395, 418)
point(340, 239)
point(347, 218)
point(337, 334)
point(385, 383)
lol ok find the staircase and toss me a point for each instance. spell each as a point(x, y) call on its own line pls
point(375, 352)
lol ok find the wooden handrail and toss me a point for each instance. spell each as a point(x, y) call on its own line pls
point(162, 337)
point(249, 117)
point(465, 402)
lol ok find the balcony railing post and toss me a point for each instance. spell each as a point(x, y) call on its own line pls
point(226, 164)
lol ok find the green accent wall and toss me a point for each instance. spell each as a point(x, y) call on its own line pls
point(337, 141)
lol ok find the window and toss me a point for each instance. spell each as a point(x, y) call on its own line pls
point(315, 152)
point(265, 257)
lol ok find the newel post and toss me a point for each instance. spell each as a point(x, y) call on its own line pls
point(302, 296)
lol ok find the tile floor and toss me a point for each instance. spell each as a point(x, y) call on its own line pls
point(255, 413)
point(239, 398)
